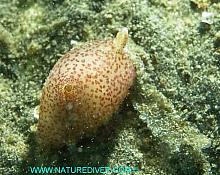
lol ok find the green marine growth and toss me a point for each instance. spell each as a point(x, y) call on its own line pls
point(83, 90)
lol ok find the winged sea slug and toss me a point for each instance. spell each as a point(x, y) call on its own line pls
point(83, 89)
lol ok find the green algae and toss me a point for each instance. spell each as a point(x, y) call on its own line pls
point(172, 123)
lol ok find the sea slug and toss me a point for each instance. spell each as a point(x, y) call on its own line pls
point(83, 89)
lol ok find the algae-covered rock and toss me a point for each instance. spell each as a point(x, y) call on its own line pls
point(170, 122)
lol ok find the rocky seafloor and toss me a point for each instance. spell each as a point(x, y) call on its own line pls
point(170, 122)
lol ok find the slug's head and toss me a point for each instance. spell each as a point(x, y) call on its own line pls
point(121, 40)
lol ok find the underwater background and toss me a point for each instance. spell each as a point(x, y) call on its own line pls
point(170, 122)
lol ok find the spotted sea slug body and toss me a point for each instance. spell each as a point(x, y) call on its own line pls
point(83, 89)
